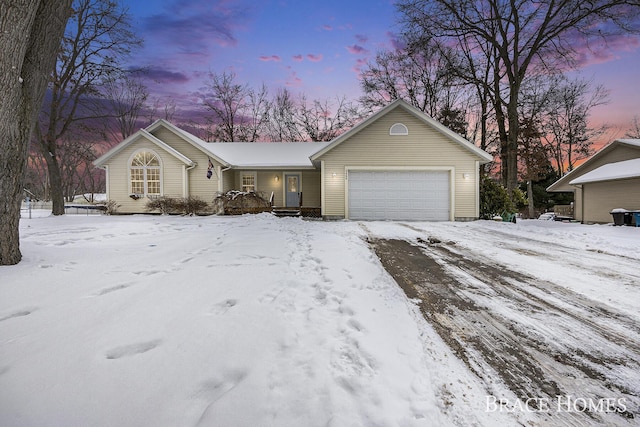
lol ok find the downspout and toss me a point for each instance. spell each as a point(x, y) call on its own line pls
point(185, 180)
point(323, 190)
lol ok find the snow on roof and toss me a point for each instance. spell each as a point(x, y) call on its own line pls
point(635, 142)
point(610, 171)
point(265, 154)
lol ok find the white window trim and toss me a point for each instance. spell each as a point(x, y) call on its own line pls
point(145, 184)
point(254, 174)
point(404, 129)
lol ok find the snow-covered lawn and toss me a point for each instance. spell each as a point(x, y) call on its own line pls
point(253, 321)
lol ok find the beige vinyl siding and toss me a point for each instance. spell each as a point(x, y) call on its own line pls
point(199, 185)
point(311, 188)
point(171, 176)
point(266, 183)
point(229, 180)
point(577, 203)
point(423, 147)
point(602, 197)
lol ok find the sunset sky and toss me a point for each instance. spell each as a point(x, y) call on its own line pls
point(313, 47)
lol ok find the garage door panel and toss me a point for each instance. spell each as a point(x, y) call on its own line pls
point(399, 195)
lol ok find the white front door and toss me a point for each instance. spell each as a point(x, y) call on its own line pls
point(292, 189)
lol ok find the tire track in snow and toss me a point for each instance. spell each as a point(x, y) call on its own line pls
point(508, 325)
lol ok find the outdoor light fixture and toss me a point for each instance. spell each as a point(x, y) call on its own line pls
point(277, 178)
point(334, 174)
point(465, 176)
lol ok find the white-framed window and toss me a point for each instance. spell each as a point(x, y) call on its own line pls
point(248, 182)
point(398, 129)
point(145, 174)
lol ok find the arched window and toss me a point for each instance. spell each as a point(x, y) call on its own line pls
point(145, 174)
point(398, 129)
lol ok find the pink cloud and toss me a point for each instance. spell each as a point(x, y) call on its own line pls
point(298, 58)
point(292, 79)
point(362, 38)
point(599, 52)
point(327, 27)
point(357, 68)
point(395, 41)
point(314, 58)
point(357, 50)
point(275, 58)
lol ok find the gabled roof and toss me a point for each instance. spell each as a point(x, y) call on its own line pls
point(573, 176)
point(434, 124)
point(190, 138)
point(251, 154)
point(142, 133)
point(611, 171)
point(256, 155)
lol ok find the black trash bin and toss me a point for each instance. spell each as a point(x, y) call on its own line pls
point(621, 216)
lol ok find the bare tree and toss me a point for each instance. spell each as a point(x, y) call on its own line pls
point(31, 32)
point(568, 135)
point(97, 38)
point(322, 120)
point(521, 34)
point(634, 130)
point(282, 124)
point(160, 109)
point(421, 77)
point(127, 97)
point(239, 113)
point(37, 178)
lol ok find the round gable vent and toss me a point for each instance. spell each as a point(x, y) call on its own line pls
point(398, 129)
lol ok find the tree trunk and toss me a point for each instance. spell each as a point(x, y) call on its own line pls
point(532, 208)
point(31, 33)
point(512, 139)
point(55, 184)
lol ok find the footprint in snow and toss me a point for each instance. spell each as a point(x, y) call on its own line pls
point(113, 289)
point(20, 313)
point(354, 324)
point(224, 306)
point(132, 349)
point(214, 389)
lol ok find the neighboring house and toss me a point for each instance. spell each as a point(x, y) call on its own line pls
point(610, 179)
point(398, 164)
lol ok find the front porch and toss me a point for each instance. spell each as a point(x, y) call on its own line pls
point(288, 192)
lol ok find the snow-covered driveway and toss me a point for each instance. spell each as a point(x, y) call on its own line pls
point(541, 342)
point(255, 320)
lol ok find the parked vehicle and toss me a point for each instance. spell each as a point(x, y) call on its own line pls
point(548, 216)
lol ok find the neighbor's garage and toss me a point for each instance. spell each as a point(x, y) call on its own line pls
point(399, 195)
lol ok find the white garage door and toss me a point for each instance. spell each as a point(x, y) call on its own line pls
point(399, 195)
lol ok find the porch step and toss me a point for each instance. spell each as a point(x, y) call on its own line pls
point(282, 212)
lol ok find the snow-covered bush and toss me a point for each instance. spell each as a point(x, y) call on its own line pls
point(171, 205)
point(235, 202)
point(111, 207)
